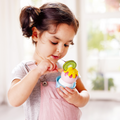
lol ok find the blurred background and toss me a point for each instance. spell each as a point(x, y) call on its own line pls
point(96, 51)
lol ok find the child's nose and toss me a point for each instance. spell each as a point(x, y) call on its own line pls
point(60, 49)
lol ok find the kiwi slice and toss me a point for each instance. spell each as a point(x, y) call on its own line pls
point(70, 63)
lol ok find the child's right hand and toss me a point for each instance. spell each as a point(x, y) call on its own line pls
point(47, 66)
point(20, 90)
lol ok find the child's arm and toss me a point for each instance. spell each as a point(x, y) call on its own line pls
point(21, 89)
point(78, 96)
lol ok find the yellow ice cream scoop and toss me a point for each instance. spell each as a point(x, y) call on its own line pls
point(72, 72)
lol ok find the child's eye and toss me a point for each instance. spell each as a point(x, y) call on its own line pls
point(66, 45)
point(54, 43)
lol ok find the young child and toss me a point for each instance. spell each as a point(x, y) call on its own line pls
point(52, 28)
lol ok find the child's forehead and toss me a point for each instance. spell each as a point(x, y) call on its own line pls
point(66, 33)
point(54, 28)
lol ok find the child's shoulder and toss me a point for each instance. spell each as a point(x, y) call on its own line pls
point(21, 65)
point(19, 71)
point(24, 62)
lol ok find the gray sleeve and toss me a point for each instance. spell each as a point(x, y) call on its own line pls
point(19, 71)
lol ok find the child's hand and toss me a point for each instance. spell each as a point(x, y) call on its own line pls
point(70, 95)
point(47, 66)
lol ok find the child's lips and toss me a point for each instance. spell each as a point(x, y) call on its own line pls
point(55, 57)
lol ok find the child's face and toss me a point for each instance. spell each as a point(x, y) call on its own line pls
point(55, 46)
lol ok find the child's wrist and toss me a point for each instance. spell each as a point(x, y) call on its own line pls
point(37, 72)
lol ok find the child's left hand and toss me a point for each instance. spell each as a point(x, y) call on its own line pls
point(70, 95)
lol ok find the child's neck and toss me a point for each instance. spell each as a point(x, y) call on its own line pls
point(36, 57)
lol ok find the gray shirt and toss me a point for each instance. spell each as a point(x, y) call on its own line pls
point(32, 104)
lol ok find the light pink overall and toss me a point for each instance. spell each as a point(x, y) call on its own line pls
point(54, 107)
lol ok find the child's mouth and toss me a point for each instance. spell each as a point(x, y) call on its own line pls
point(55, 57)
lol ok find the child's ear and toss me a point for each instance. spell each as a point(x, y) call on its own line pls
point(35, 34)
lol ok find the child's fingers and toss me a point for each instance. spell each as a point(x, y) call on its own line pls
point(65, 91)
point(53, 66)
point(70, 90)
point(61, 93)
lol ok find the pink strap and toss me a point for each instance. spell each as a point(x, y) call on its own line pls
point(30, 65)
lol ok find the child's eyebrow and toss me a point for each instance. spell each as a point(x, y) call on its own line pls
point(56, 38)
point(60, 39)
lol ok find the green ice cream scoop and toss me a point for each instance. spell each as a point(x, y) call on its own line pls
point(70, 63)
